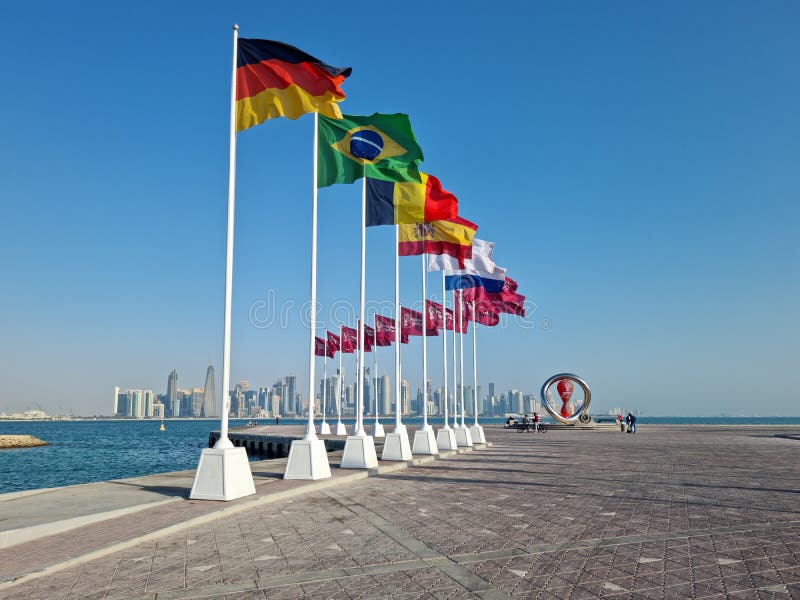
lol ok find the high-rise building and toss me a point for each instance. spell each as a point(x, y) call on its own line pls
point(123, 404)
point(136, 404)
point(116, 399)
point(209, 394)
point(148, 403)
point(405, 397)
point(275, 405)
point(197, 402)
point(158, 410)
point(385, 395)
point(291, 393)
point(491, 391)
point(174, 405)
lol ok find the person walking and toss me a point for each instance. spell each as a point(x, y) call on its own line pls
point(633, 423)
point(536, 421)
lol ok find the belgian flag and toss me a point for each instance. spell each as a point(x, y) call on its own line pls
point(390, 203)
point(274, 79)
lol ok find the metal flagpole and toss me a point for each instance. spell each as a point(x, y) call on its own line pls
point(475, 362)
point(455, 364)
point(425, 425)
point(224, 441)
point(444, 348)
point(396, 445)
point(359, 449)
point(308, 458)
point(226, 474)
point(311, 433)
point(461, 355)
point(341, 388)
point(398, 328)
point(377, 430)
point(324, 427)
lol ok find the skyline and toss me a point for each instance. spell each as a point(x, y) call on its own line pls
point(638, 179)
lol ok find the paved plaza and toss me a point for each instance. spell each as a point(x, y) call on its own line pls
point(671, 512)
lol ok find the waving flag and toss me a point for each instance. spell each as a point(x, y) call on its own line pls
point(434, 315)
point(333, 344)
point(450, 236)
point(482, 313)
point(384, 330)
point(478, 271)
point(411, 324)
point(369, 338)
point(505, 301)
point(389, 203)
point(450, 320)
point(274, 79)
point(349, 340)
point(378, 146)
point(319, 346)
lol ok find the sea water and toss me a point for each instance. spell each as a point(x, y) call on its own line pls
point(86, 451)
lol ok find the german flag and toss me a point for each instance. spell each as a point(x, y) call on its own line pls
point(390, 202)
point(277, 80)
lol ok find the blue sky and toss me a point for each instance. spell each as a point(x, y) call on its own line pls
point(636, 165)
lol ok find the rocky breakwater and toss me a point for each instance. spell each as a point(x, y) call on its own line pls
point(20, 441)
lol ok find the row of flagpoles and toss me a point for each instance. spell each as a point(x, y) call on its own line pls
point(271, 79)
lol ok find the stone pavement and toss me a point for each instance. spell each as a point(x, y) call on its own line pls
point(671, 512)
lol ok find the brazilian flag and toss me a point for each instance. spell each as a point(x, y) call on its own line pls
point(380, 146)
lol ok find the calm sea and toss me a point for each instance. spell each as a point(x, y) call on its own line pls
point(86, 451)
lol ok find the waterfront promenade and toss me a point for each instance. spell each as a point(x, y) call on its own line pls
point(671, 512)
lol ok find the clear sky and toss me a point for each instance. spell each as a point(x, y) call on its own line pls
point(635, 163)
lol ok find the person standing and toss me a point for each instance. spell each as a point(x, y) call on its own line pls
point(622, 426)
point(536, 421)
point(633, 423)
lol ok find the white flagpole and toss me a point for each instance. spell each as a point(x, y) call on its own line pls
point(311, 433)
point(325, 381)
point(475, 362)
point(398, 327)
point(377, 430)
point(444, 348)
point(223, 472)
point(224, 441)
point(360, 421)
point(461, 354)
point(425, 425)
point(341, 388)
point(455, 364)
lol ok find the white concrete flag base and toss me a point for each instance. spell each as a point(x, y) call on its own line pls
point(397, 446)
point(425, 442)
point(463, 437)
point(340, 428)
point(359, 453)
point(222, 474)
point(377, 430)
point(476, 431)
point(446, 439)
point(308, 459)
point(325, 429)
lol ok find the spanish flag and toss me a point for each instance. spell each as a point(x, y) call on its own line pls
point(451, 236)
point(277, 80)
point(389, 202)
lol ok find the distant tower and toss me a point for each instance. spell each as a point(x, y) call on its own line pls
point(386, 399)
point(116, 400)
point(172, 394)
point(209, 395)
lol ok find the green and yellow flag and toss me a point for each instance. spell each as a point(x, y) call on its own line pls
point(382, 146)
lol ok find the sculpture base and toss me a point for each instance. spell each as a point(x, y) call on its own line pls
point(397, 446)
point(463, 437)
point(359, 453)
point(222, 474)
point(340, 429)
point(446, 439)
point(308, 459)
point(324, 428)
point(478, 437)
point(377, 430)
point(425, 442)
